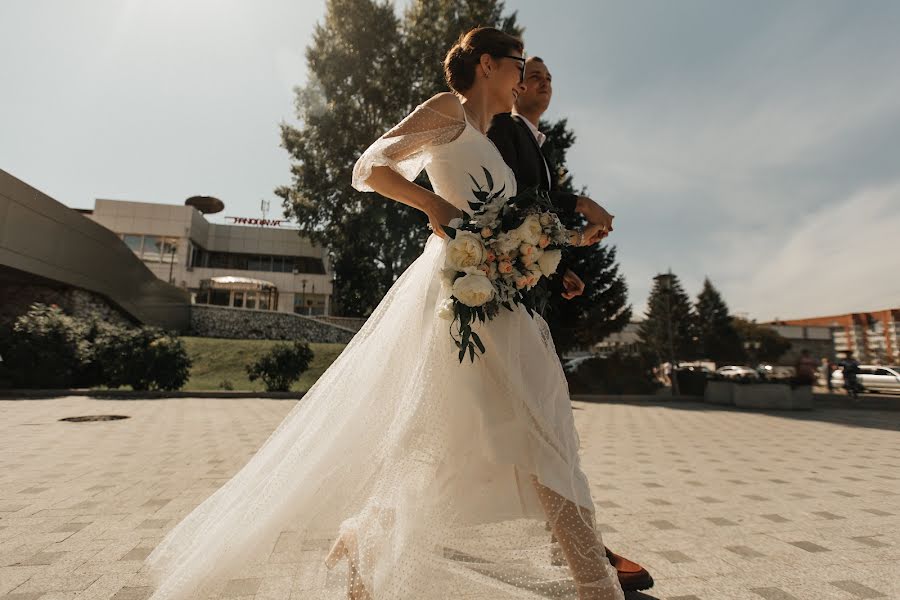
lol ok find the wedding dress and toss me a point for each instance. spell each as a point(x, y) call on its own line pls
point(414, 476)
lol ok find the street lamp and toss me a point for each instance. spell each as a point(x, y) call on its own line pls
point(173, 248)
point(303, 295)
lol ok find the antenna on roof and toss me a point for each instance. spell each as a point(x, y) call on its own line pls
point(264, 207)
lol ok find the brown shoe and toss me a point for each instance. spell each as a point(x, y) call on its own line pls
point(632, 576)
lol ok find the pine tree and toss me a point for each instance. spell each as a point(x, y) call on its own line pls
point(668, 324)
point(717, 339)
point(603, 307)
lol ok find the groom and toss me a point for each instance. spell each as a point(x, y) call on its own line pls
point(517, 137)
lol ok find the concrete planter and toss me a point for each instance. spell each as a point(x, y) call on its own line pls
point(719, 392)
point(773, 396)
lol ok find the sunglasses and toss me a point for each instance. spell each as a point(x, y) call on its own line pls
point(522, 61)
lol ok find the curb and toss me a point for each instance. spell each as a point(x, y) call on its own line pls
point(147, 395)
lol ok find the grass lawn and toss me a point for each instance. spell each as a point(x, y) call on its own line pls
point(217, 361)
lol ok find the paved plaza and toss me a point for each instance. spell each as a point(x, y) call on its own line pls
point(717, 503)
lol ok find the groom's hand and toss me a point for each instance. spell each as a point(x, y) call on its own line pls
point(572, 284)
point(599, 220)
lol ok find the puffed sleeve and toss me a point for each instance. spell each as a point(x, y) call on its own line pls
point(406, 147)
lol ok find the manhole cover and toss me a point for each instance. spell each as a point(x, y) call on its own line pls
point(94, 418)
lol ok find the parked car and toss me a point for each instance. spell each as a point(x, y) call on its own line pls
point(767, 371)
point(736, 371)
point(871, 378)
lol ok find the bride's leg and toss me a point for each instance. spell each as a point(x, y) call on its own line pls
point(346, 546)
point(573, 528)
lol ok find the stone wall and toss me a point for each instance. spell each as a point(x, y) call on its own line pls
point(16, 299)
point(242, 323)
point(353, 323)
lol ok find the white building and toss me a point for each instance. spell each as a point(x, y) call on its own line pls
point(263, 267)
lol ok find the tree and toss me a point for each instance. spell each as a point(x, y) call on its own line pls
point(764, 344)
point(366, 72)
point(603, 307)
point(717, 339)
point(357, 90)
point(430, 27)
point(668, 324)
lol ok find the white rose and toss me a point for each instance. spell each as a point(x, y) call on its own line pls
point(465, 250)
point(473, 290)
point(548, 261)
point(445, 310)
point(505, 244)
point(529, 231)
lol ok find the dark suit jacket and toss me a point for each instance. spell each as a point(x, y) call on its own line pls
point(511, 135)
point(513, 138)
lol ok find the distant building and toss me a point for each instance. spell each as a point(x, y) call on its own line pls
point(818, 340)
point(259, 266)
point(625, 342)
point(51, 254)
point(871, 336)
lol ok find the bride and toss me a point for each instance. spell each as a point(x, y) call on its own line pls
point(403, 474)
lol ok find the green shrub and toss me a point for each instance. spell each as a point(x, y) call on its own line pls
point(46, 348)
point(614, 374)
point(281, 366)
point(144, 358)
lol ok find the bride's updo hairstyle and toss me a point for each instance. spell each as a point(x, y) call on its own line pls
point(464, 56)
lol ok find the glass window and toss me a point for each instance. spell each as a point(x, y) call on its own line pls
point(309, 264)
point(250, 301)
point(218, 260)
point(169, 249)
point(153, 245)
point(134, 242)
point(263, 301)
point(239, 299)
point(260, 263)
point(220, 297)
point(883, 372)
point(238, 261)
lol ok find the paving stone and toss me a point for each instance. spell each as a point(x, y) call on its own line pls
point(724, 504)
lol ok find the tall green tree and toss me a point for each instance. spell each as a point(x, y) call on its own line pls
point(763, 344)
point(668, 324)
point(603, 308)
point(430, 27)
point(367, 70)
point(717, 339)
point(357, 90)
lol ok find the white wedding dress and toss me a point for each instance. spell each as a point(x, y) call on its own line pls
point(425, 465)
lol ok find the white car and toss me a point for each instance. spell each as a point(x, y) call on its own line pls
point(871, 378)
point(734, 371)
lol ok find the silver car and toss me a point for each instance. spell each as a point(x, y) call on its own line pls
point(736, 371)
point(872, 378)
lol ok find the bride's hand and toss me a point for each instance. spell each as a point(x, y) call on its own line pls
point(441, 213)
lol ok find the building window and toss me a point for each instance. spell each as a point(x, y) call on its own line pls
point(220, 297)
point(134, 242)
point(152, 248)
point(257, 262)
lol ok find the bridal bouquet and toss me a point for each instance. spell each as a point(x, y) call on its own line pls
point(496, 257)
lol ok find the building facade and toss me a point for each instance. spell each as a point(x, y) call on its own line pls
point(51, 254)
point(871, 336)
point(261, 267)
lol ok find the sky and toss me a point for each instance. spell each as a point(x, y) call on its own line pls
point(754, 143)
